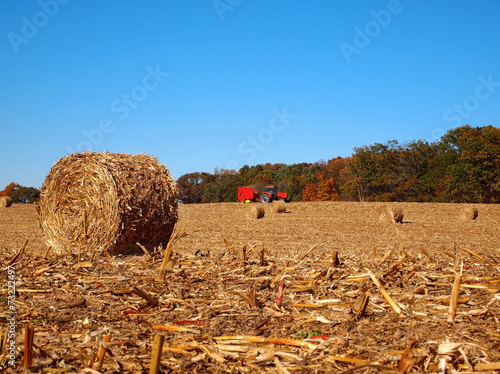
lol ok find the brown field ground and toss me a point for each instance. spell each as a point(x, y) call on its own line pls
point(219, 307)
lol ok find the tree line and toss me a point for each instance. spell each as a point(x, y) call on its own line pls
point(21, 194)
point(463, 166)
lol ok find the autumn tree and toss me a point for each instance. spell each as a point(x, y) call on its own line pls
point(191, 187)
point(21, 194)
point(326, 189)
point(9, 188)
point(309, 193)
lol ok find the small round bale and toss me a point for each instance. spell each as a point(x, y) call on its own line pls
point(390, 213)
point(468, 213)
point(99, 201)
point(6, 202)
point(255, 211)
point(279, 206)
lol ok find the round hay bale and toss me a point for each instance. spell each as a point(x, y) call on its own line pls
point(107, 202)
point(6, 202)
point(279, 206)
point(390, 213)
point(468, 213)
point(255, 211)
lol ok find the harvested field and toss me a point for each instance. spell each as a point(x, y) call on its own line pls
point(250, 296)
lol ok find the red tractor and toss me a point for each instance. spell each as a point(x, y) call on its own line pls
point(270, 193)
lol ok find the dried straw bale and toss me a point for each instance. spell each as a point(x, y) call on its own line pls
point(468, 213)
point(388, 213)
point(279, 206)
point(106, 201)
point(255, 211)
point(5, 201)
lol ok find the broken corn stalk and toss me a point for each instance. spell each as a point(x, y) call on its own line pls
point(101, 353)
point(260, 339)
point(384, 293)
point(281, 287)
point(309, 251)
point(230, 247)
point(407, 360)
point(454, 296)
point(154, 367)
point(167, 257)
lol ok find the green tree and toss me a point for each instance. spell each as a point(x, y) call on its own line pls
point(473, 166)
point(420, 172)
point(371, 173)
point(191, 187)
point(221, 186)
point(24, 195)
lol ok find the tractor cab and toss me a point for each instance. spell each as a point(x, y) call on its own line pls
point(272, 191)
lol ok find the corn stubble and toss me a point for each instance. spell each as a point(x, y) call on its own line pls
point(293, 293)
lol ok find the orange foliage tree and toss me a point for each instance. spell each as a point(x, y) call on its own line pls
point(309, 193)
point(9, 188)
point(326, 190)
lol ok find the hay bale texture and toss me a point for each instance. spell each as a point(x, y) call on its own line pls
point(6, 202)
point(97, 201)
point(390, 213)
point(279, 206)
point(468, 213)
point(255, 211)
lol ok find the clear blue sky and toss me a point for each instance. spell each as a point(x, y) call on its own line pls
point(220, 84)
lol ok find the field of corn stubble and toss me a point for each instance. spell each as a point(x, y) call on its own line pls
point(322, 288)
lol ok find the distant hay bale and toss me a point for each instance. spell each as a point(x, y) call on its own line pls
point(397, 214)
point(107, 202)
point(388, 213)
point(256, 211)
point(468, 213)
point(279, 206)
point(5, 202)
